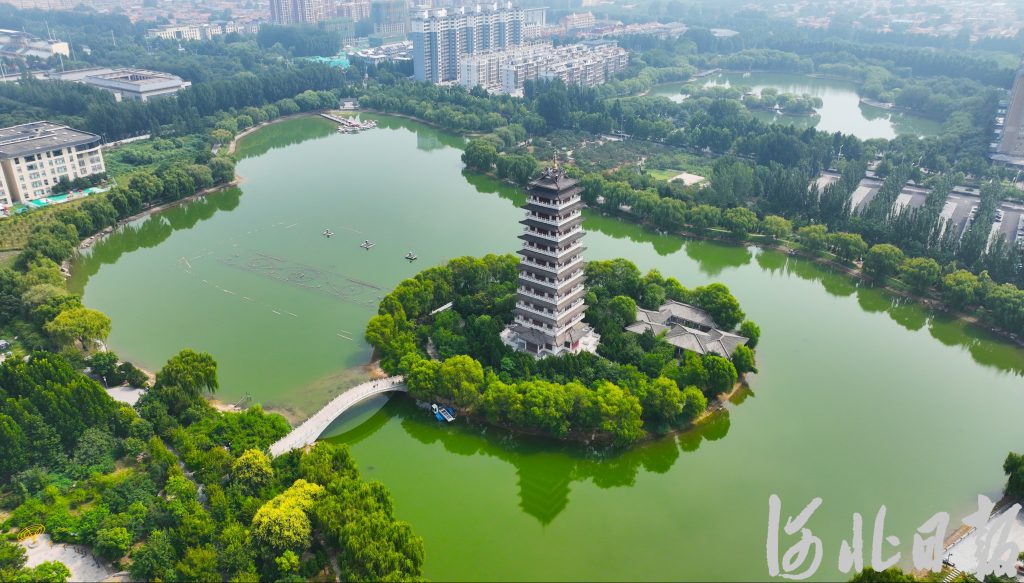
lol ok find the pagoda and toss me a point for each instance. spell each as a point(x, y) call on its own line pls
point(549, 299)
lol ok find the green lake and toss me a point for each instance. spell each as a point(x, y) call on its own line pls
point(861, 399)
point(841, 109)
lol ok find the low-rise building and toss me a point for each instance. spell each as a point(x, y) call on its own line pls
point(137, 84)
point(687, 328)
point(15, 44)
point(202, 31)
point(35, 156)
point(506, 71)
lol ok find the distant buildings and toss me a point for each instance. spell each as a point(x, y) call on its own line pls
point(35, 156)
point(579, 21)
point(137, 84)
point(357, 10)
point(506, 71)
point(298, 11)
point(400, 52)
point(390, 18)
point(202, 31)
point(442, 36)
point(16, 44)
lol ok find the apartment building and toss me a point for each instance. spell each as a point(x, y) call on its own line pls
point(506, 71)
point(441, 37)
point(35, 156)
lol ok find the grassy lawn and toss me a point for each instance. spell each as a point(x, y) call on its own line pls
point(7, 258)
point(14, 230)
point(664, 174)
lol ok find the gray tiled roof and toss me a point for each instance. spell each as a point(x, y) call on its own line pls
point(713, 341)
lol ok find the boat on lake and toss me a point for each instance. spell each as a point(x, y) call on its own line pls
point(442, 413)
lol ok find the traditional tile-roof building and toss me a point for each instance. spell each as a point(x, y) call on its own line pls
point(687, 328)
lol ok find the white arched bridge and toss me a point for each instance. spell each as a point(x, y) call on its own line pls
point(310, 429)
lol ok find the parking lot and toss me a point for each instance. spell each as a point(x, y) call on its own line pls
point(957, 209)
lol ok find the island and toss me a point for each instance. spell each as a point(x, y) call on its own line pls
point(550, 345)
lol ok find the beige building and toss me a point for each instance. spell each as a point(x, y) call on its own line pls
point(506, 71)
point(35, 156)
point(201, 31)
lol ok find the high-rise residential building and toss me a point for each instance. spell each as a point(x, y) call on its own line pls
point(549, 299)
point(390, 17)
point(579, 21)
point(357, 10)
point(441, 37)
point(35, 156)
point(577, 64)
point(298, 11)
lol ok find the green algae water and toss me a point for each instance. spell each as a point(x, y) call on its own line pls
point(861, 399)
point(841, 109)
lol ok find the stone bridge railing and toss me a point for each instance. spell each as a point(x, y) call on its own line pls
point(310, 429)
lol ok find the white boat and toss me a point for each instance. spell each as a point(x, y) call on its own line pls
point(366, 244)
point(411, 256)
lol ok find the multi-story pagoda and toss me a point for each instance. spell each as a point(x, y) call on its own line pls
point(549, 300)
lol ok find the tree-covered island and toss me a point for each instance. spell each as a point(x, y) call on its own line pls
point(637, 385)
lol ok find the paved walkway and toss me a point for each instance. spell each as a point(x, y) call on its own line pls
point(78, 559)
point(962, 553)
point(125, 394)
point(308, 432)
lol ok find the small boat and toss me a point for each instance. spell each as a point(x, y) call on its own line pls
point(366, 244)
point(327, 233)
point(411, 256)
point(442, 413)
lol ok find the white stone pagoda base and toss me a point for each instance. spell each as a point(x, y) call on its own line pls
point(512, 336)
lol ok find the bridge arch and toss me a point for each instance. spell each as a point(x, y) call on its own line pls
point(310, 429)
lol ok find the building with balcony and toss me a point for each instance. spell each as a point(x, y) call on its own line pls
point(506, 71)
point(390, 18)
point(202, 31)
point(298, 11)
point(357, 10)
point(549, 300)
point(441, 37)
point(35, 156)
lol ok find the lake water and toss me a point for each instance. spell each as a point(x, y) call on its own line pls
point(861, 399)
point(841, 109)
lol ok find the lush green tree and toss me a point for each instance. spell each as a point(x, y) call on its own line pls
point(882, 261)
point(776, 227)
point(1014, 469)
point(752, 331)
point(252, 470)
point(191, 371)
point(83, 325)
point(961, 288)
point(721, 304)
point(695, 403)
point(813, 237)
point(740, 221)
point(847, 246)
point(620, 413)
point(721, 373)
point(198, 564)
point(920, 273)
point(113, 543)
point(704, 217)
point(743, 360)
point(480, 155)
point(461, 378)
point(282, 523)
point(661, 399)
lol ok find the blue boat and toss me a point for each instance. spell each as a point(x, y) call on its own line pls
point(442, 413)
